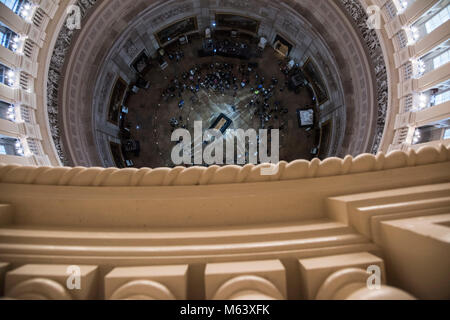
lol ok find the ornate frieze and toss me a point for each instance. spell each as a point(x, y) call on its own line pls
point(62, 45)
point(359, 15)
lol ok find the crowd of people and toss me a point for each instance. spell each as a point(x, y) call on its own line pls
point(227, 78)
point(245, 91)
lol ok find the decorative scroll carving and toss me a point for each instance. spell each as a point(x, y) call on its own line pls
point(62, 45)
point(181, 176)
point(359, 15)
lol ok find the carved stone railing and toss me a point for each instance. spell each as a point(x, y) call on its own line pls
point(310, 232)
point(351, 284)
point(180, 176)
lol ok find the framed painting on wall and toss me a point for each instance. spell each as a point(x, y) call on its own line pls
point(116, 100)
point(234, 21)
point(176, 30)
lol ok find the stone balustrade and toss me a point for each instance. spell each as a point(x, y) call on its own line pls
point(180, 176)
point(314, 232)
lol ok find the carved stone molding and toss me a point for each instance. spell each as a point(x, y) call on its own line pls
point(248, 287)
point(181, 176)
point(351, 284)
point(142, 290)
point(39, 289)
point(50, 282)
point(147, 283)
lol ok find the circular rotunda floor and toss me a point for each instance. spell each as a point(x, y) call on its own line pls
point(152, 111)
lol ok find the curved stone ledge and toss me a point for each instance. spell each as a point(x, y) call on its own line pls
point(180, 176)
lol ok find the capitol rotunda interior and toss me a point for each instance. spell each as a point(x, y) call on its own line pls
point(135, 138)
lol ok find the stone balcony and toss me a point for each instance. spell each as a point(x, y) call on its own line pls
point(309, 232)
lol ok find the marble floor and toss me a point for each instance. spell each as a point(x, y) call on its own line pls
point(150, 112)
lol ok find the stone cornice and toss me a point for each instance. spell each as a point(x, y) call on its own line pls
point(180, 176)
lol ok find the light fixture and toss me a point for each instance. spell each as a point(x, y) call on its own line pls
point(418, 67)
point(417, 136)
point(412, 34)
point(10, 76)
point(10, 114)
point(422, 101)
point(26, 11)
point(415, 33)
point(19, 148)
point(421, 67)
point(16, 44)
